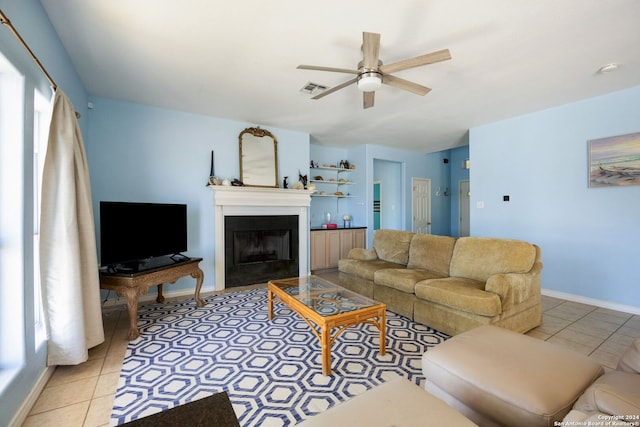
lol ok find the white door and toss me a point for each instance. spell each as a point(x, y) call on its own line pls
point(463, 208)
point(421, 205)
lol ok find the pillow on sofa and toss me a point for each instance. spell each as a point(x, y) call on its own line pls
point(362, 254)
point(392, 245)
point(430, 252)
point(630, 359)
point(481, 257)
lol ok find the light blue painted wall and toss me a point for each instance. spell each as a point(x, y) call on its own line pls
point(31, 22)
point(148, 154)
point(589, 237)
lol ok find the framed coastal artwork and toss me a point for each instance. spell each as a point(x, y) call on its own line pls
point(614, 161)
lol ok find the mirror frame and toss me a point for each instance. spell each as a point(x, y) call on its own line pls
point(258, 166)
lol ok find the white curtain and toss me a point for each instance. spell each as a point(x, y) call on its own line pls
point(68, 259)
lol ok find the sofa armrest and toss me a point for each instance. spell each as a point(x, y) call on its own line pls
point(361, 254)
point(515, 288)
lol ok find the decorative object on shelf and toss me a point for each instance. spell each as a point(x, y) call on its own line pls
point(213, 179)
point(311, 187)
point(237, 183)
point(346, 218)
point(285, 184)
point(226, 182)
point(302, 178)
point(298, 186)
point(258, 158)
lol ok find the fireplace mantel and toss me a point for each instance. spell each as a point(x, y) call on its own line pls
point(229, 200)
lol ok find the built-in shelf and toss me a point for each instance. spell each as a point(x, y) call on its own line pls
point(334, 180)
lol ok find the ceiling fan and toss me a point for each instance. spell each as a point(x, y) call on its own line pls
point(371, 72)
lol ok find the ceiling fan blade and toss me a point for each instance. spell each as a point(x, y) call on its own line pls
point(332, 69)
point(367, 99)
point(405, 85)
point(335, 88)
point(418, 61)
point(370, 50)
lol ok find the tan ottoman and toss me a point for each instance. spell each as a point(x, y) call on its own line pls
point(495, 376)
point(398, 403)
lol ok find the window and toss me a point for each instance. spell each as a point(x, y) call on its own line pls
point(12, 280)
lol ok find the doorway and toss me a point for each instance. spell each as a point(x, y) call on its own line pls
point(464, 208)
point(421, 205)
point(377, 207)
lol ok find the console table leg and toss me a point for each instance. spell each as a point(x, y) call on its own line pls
point(132, 294)
point(198, 274)
point(160, 297)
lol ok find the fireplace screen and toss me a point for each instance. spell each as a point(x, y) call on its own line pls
point(260, 248)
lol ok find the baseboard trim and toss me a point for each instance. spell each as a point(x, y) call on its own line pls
point(23, 412)
point(592, 301)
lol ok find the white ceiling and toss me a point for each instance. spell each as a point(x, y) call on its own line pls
point(237, 59)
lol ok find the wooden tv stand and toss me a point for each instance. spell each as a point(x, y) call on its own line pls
point(132, 285)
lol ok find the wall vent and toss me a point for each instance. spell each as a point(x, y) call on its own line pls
point(313, 88)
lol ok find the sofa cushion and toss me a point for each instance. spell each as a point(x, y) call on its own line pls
point(430, 252)
point(392, 245)
point(630, 359)
point(481, 257)
point(402, 279)
point(460, 293)
point(614, 393)
point(364, 269)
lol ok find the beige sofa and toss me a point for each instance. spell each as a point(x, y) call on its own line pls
point(450, 284)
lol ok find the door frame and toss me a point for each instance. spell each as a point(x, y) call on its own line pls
point(462, 211)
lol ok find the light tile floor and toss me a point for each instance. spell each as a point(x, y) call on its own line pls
point(83, 395)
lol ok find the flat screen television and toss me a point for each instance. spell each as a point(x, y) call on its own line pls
point(132, 234)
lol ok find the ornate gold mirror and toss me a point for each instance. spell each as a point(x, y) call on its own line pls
point(258, 158)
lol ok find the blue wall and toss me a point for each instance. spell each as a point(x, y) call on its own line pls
point(148, 154)
point(31, 22)
point(589, 237)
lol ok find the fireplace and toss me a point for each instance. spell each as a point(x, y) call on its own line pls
point(256, 247)
point(260, 248)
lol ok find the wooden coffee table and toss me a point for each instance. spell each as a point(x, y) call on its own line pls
point(324, 305)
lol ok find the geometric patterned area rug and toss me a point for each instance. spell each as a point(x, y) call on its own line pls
point(271, 370)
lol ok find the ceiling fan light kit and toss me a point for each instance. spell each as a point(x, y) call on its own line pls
point(369, 81)
point(372, 74)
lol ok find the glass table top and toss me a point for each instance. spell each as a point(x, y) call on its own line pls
point(322, 296)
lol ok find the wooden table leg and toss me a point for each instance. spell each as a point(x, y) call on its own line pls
point(325, 342)
point(383, 332)
point(160, 297)
point(198, 274)
point(131, 295)
point(270, 304)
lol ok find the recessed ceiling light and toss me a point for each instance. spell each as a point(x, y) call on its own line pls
point(608, 68)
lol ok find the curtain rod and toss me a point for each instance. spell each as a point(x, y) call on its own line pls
point(5, 21)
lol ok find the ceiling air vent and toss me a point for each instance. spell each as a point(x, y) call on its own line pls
point(312, 88)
